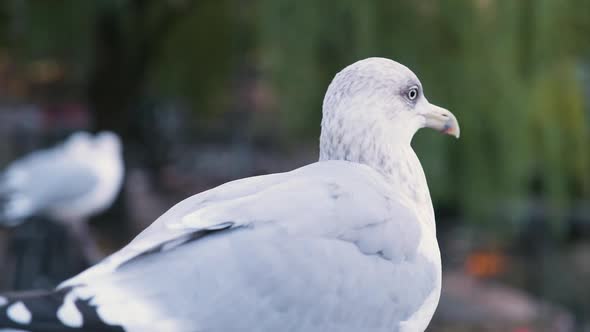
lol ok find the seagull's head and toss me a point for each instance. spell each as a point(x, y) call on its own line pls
point(79, 141)
point(108, 141)
point(378, 96)
point(80, 137)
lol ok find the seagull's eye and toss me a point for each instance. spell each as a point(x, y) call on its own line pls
point(412, 93)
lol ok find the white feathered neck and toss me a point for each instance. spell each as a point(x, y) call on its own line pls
point(357, 129)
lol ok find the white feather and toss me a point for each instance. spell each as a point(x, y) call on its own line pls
point(19, 313)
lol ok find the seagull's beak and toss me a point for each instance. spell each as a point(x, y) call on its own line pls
point(442, 120)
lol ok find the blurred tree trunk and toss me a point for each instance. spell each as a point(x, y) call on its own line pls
point(126, 45)
point(113, 85)
point(127, 41)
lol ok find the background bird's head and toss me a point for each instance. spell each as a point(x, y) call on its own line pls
point(108, 141)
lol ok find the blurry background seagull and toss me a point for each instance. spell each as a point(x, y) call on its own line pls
point(344, 244)
point(68, 183)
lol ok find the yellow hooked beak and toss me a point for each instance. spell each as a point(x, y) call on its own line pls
point(442, 120)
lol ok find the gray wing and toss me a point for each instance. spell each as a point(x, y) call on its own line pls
point(290, 255)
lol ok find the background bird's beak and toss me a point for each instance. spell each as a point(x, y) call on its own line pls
point(442, 120)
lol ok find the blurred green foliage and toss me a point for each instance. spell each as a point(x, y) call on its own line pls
point(509, 70)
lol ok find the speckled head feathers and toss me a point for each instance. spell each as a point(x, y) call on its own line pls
point(372, 105)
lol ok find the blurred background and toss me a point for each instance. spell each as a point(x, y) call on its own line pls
point(203, 92)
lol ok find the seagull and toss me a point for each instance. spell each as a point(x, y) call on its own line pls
point(347, 243)
point(68, 183)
